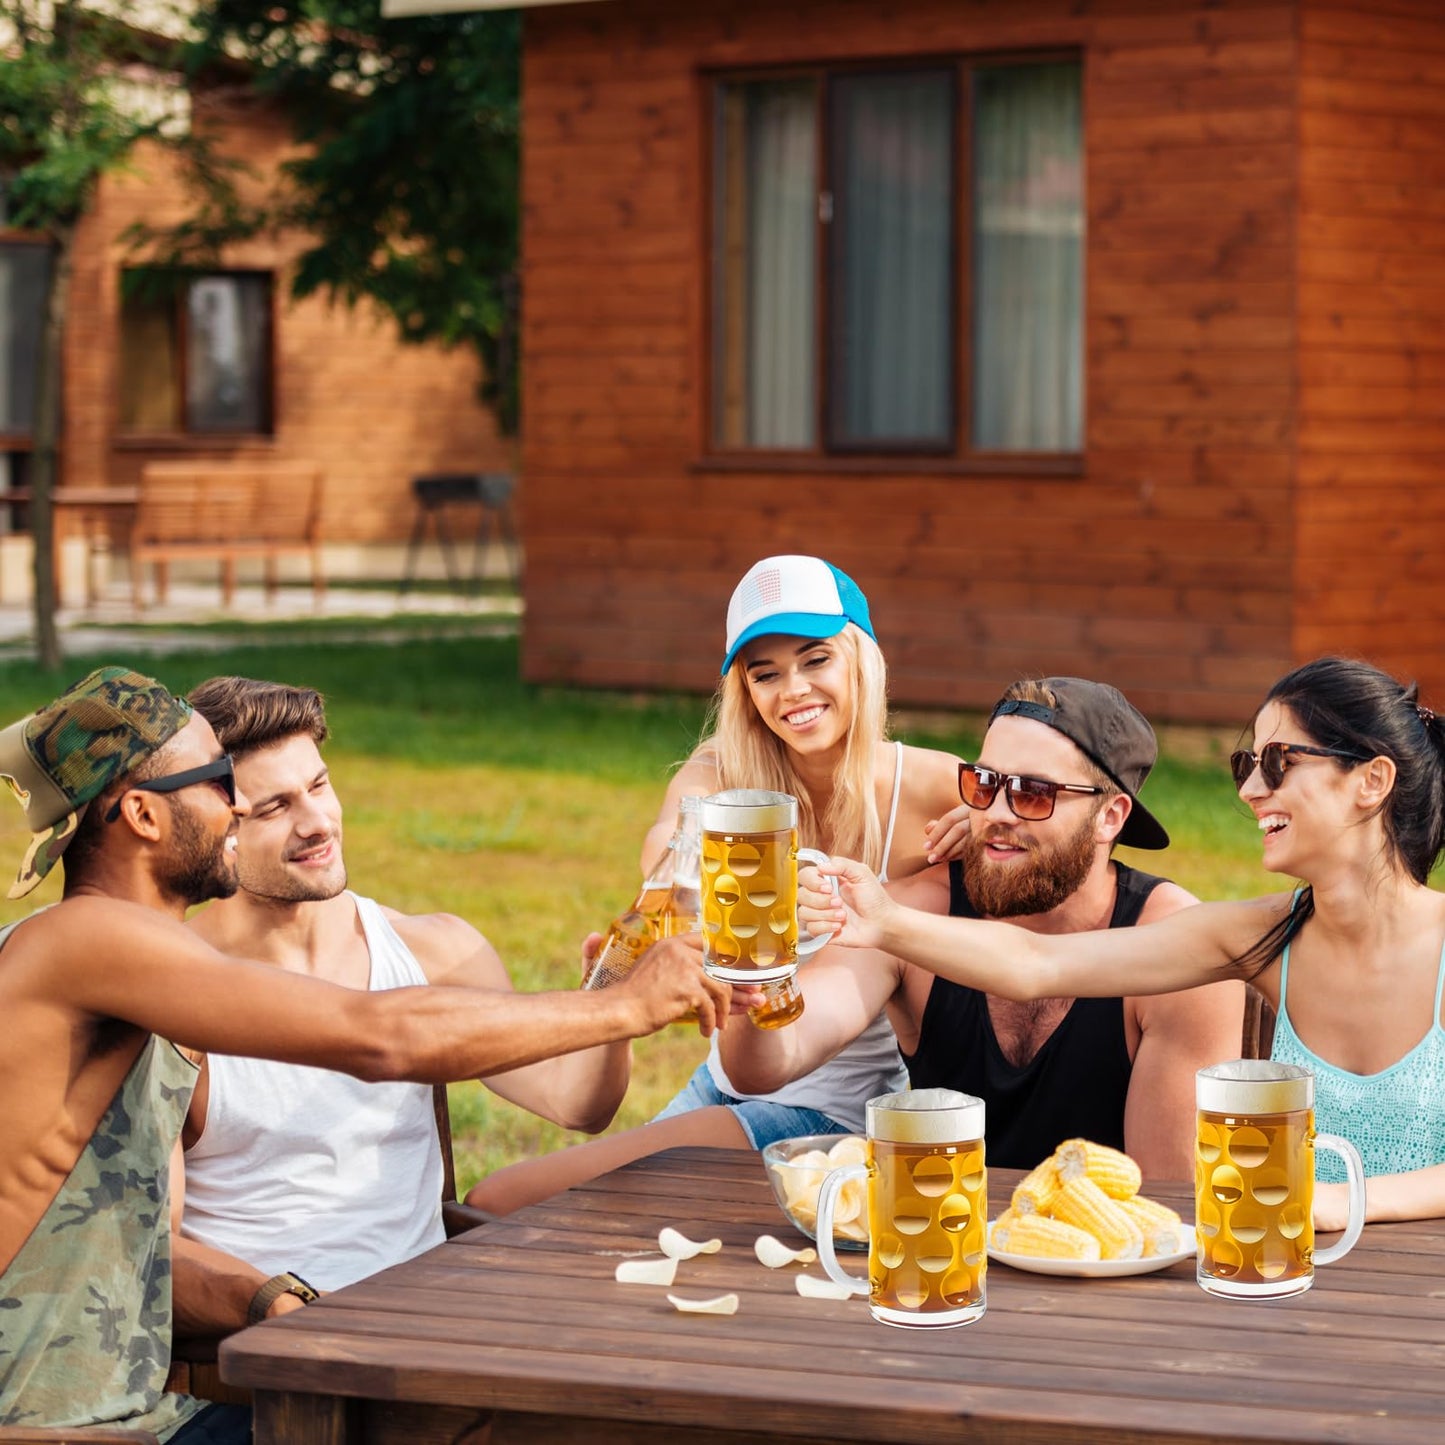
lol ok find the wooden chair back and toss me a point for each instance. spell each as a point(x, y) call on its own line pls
point(1258, 1032)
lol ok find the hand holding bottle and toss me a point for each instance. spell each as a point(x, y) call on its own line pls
point(669, 984)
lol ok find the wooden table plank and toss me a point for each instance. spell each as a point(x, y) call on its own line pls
point(522, 1321)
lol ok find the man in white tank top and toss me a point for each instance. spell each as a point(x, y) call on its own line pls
point(295, 1172)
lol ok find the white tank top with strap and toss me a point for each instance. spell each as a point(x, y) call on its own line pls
point(1395, 1118)
point(869, 1066)
point(311, 1170)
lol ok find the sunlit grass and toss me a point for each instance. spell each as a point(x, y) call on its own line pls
point(522, 810)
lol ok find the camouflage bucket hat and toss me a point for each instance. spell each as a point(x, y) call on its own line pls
point(65, 756)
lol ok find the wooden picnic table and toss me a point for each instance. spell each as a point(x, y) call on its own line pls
point(518, 1332)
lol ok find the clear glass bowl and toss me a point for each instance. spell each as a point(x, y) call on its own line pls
point(796, 1170)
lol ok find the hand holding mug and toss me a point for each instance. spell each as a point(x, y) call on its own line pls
point(856, 914)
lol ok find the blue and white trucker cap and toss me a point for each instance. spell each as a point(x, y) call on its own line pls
point(794, 596)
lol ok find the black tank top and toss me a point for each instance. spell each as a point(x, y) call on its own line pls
point(1074, 1087)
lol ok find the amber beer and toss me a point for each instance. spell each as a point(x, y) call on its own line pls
point(1254, 1180)
point(927, 1210)
point(749, 901)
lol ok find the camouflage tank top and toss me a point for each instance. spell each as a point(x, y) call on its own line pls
point(85, 1307)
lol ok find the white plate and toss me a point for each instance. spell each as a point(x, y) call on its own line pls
point(1096, 1268)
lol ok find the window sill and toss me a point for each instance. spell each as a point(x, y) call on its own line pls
point(1002, 464)
point(191, 441)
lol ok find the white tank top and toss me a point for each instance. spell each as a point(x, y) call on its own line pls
point(313, 1171)
point(869, 1066)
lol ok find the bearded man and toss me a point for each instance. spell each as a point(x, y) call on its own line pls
point(1055, 789)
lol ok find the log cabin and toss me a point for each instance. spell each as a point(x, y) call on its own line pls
point(1090, 336)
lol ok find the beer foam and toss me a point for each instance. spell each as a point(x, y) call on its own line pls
point(926, 1116)
point(1254, 1086)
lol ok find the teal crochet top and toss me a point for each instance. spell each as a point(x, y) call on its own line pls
point(1395, 1118)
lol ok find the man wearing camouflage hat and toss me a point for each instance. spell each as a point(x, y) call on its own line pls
point(1055, 789)
point(128, 787)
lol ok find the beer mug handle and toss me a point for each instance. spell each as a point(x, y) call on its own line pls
point(1355, 1172)
point(827, 1202)
point(809, 945)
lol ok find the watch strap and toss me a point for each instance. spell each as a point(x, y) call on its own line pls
point(273, 1289)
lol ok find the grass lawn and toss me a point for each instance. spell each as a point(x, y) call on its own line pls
point(522, 810)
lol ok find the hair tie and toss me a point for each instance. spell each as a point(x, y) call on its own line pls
point(1425, 714)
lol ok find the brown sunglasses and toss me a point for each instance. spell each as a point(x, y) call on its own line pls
point(1031, 799)
point(1273, 758)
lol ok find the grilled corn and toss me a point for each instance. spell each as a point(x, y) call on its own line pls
point(1033, 1234)
point(1158, 1224)
point(1113, 1171)
point(1035, 1192)
point(1082, 1203)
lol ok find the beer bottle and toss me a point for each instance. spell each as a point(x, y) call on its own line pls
point(668, 903)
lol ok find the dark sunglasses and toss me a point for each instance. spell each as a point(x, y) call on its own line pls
point(1031, 799)
point(219, 770)
point(1273, 758)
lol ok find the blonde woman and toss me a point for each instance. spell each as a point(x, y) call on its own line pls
point(801, 709)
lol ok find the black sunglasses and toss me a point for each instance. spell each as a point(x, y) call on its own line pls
point(219, 770)
point(1273, 758)
point(1031, 799)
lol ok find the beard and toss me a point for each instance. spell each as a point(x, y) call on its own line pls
point(197, 868)
point(1035, 884)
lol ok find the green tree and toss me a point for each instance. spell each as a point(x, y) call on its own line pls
point(74, 105)
point(407, 180)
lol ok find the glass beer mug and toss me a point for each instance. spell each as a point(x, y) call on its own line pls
point(1254, 1180)
point(927, 1210)
point(749, 900)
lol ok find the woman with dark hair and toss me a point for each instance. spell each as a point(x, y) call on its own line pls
point(1346, 776)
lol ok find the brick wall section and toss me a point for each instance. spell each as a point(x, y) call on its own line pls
point(370, 411)
point(1165, 569)
point(1371, 513)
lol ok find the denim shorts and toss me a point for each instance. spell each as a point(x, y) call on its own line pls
point(760, 1119)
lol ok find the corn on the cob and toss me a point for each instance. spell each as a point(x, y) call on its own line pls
point(1035, 1192)
point(1157, 1223)
point(1113, 1171)
point(1033, 1234)
point(1082, 1203)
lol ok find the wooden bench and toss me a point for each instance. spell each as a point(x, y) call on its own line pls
point(224, 511)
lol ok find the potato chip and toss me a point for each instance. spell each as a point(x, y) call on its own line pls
point(678, 1246)
point(724, 1304)
point(852, 1202)
point(854, 1229)
point(774, 1254)
point(811, 1288)
point(812, 1159)
point(646, 1271)
point(848, 1150)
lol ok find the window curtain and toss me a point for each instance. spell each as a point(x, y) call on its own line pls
point(1028, 259)
point(24, 280)
point(892, 357)
point(766, 290)
point(228, 356)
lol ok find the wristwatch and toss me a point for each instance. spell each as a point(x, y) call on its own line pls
point(273, 1289)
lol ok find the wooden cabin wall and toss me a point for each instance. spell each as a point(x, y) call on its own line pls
point(1370, 519)
point(1165, 568)
point(348, 395)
